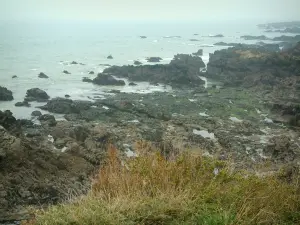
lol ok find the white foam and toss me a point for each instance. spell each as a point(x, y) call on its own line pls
point(50, 138)
point(203, 114)
point(267, 120)
point(192, 100)
point(133, 121)
point(105, 107)
point(236, 120)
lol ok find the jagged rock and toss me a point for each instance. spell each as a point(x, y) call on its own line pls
point(36, 94)
point(109, 57)
point(36, 113)
point(66, 106)
point(66, 72)
point(22, 104)
point(42, 75)
point(153, 59)
point(103, 79)
point(5, 94)
point(137, 63)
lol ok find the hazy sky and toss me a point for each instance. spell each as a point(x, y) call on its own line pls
point(196, 10)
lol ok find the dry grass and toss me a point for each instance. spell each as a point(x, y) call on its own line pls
point(185, 190)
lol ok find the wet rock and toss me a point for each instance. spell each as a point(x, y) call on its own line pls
point(43, 75)
point(199, 52)
point(143, 37)
point(36, 94)
point(74, 63)
point(287, 38)
point(153, 59)
point(103, 79)
point(80, 133)
point(109, 57)
point(22, 104)
point(86, 79)
point(66, 72)
point(217, 35)
point(91, 72)
point(14, 76)
point(67, 96)
point(49, 119)
point(5, 94)
point(193, 39)
point(36, 113)
point(66, 106)
point(137, 63)
point(33, 133)
point(132, 84)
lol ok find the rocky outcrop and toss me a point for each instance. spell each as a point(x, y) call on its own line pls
point(66, 106)
point(5, 94)
point(36, 94)
point(7, 120)
point(199, 52)
point(22, 104)
point(259, 45)
point(132, 84)
point(250, 37)
point(43, 75)
point(153, 59)
point(182, 71)
point(107, 80)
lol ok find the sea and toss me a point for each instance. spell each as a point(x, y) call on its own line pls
point(28, 48)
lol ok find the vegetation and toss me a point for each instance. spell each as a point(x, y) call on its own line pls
point(186, 189)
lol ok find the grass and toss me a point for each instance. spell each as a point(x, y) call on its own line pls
point(181, 190)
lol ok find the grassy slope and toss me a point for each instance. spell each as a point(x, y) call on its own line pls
point(185, 190)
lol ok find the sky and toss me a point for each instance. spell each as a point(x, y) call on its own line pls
point(149, 10)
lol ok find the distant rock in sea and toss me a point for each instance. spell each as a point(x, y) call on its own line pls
point(86, 79)
point(91, 72)
point(199, 52)
point(250, 37)
point(194, 39)
point(103, 79)
point(153, 59)
point(143, 37)
point(22, 104)
point(5, 94)
point(66, 72)
point(137, 63)
point(36, 94)
point(42, 75)
point(109, 57)
point(14, 76)
point(217, 35)
point(74, 63)
point(132, 84)
point(67, 96)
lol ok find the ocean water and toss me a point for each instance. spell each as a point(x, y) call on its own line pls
point(26, 49)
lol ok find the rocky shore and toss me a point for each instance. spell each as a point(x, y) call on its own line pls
point(249, 113)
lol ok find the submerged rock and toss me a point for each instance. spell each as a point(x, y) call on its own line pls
point(66, 72)
point(36, 94)
point(103, 79)
point(5, 94)
point(109, 57)
point(14, 76)
point(91, 72)
point(137, 63)
point(42, 75)
point(143, 37)
point(194, 39)
point(74, 63)
point(86, 79)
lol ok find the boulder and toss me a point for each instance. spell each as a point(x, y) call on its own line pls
point(7, 119)
point(36, 94)
point(42, 75)
point(49, 119)
point(153, 59)
point(22, 104)
point(199, 52)
point(109, 57)
point(66, 106)
point(66, 72)
point(91, 72)
point(103, 79)
point(14, 76)
point(137, 63)
point(5, 94)
point(87, 80)
point(67, 96)
point(36, 113)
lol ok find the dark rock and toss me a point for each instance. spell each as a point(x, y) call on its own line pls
point(36, 113)
point(25, 123)
point(137, 63)
point(287, 38)
point(67, 96)
point(79, 133)
point(14, 76)
point(132, 84)
point(87, 80)
point(42, 75)
point(199, 52)
point(109, 57)
point(259, 45)
point(250, 37)
point(143, 37)
point(217, 35)
point(91, 72)
point(66, 106)
point(49, 119)
point(66, 72)
point(194, 39)
point(7, 119)
point(153, 59)
point(103, 79)
point(36, 94)
point(22, 104)
point(74, 63)
point(104, 64)
point(5, 94)
point(172, 37)
point(183, 70)
point(196, 34)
